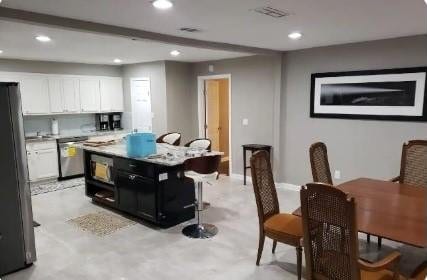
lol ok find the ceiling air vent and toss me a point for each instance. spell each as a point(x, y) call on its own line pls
point(189, 29)
point(272, 12)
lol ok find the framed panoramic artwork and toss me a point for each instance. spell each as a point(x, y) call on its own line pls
point(392, 94)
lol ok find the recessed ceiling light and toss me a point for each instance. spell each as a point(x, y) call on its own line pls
point(1, 50)
point(43, 38)
point(162, 4)
point(295, 35)
point(424, 1)
point(117, 60)
point(175, 53)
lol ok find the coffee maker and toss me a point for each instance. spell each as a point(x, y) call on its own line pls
point(116, 121)
point(102, 122)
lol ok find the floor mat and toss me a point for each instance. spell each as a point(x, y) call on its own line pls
point(39, 188)
point(101, 223)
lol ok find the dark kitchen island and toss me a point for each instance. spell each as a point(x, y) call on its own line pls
point(154, 190)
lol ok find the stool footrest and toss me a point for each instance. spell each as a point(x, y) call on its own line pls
point(200, 231)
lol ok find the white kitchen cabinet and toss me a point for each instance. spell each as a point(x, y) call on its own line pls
point(42, 160)
point(90, 99)
point(64, 95)
point(70, 95)
point(111, 94)
point(55, 95)
point(35, 95)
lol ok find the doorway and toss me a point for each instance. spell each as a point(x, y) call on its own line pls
point(141, 105)
point(214, 116)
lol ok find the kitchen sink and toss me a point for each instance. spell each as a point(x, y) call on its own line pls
point(38, 138)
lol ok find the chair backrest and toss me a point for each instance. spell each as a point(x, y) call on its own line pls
point(330, 233)
point(202, 143)
point(320, 163)
point(264, 187)
point(203, 165)
point(171, 138)
point(413, 167)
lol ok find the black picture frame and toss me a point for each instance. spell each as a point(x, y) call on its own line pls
point(315, 76)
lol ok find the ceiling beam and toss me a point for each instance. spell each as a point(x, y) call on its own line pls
point(99, 28)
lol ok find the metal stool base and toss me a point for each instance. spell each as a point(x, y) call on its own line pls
point(200, 231)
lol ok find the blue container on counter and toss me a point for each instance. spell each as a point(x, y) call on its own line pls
point(141, 144)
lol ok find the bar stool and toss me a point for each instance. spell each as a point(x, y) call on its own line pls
point(171, 138)
point(201, 170)
point(201, 143)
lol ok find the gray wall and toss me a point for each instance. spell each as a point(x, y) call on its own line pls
point(254, 90)
point(356, 147)
point(180, 94)
point(68, 124)
point(156, 72)
point(46, 67)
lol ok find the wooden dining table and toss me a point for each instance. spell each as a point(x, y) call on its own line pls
point(390, 210)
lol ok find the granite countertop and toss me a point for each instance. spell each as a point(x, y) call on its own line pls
point(61, 136)
point(167, 154)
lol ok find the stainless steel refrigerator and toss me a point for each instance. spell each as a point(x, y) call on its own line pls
point(17, 248)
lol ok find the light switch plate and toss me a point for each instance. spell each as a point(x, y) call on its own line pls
point(211, 68)
point(245, 121)
point(337, 174)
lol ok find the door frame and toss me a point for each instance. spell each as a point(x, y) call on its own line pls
point(131, 80)
point(201, 109)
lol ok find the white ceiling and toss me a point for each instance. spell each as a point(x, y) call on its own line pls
point(17, 40)
point(323, 22)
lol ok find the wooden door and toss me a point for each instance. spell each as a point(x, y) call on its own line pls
point(212, 113)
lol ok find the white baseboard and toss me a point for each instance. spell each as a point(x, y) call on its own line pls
point(285, 186)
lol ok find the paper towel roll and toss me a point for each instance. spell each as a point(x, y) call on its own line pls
point(55, 127)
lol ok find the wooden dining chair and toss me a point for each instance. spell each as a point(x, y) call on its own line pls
point(281, 227)
point(171, 138)
point(420, 273)
point(321, 171)
point(331, 238)
point(413, 166)
point(320, 164)
point(203, 143)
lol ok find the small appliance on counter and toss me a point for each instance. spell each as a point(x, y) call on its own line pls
point(102, 122)
point(115, 121)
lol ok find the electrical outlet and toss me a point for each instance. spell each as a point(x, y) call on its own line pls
point(337, 174)
point(245, 121)
point(211, 68)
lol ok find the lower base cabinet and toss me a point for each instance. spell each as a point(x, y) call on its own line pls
point(42, 160)
point(152, 192)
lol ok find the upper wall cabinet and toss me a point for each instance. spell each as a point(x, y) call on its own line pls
point(111, 95)
point(64, 95)
point(44, 94)
point(35, 95)
point(90, 97)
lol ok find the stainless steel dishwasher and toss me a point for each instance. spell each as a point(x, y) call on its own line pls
point(71, 162)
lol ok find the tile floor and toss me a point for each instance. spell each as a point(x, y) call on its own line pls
point(141, 252)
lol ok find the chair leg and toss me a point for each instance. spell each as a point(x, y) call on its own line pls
point(260, 246)
point(368, 238)
point(379, 242)
point(299, 262)
point(274, 246)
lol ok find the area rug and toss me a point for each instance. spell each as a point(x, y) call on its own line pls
point(101, 223)
point(46, 187)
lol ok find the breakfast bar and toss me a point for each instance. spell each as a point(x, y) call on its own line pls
point(152, 188)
